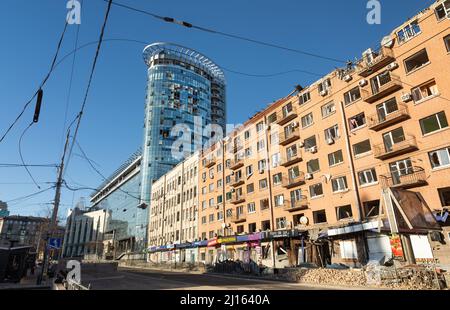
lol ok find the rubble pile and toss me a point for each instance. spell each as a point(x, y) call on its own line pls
point(346, 277)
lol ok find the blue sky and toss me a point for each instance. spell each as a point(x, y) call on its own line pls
point(112, 125)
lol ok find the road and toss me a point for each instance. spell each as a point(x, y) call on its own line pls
point(144, 279)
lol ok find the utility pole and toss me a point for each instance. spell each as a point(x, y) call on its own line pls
point(53, 223)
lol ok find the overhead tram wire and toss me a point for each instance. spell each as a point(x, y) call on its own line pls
point(52, 67)
point(225, 34)
point(94, 64)
point(21, 155)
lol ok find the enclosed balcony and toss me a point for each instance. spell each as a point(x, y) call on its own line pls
point(238, 218)
point(235, 199)
point(286, 115)
point(236, 163)
point(384, 151)
point(374, 62)
point(381, 86)
point(408, 178)
point(287, 137)
point(292, 159)
point(292, 181)
point(296, 205)
point(380, 121)
point(237, 181)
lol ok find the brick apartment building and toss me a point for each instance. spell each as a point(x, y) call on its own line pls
point(321, 174)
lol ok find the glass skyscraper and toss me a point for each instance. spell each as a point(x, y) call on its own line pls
point(185, 90)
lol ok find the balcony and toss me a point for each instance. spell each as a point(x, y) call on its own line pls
point(416, 176)
point(237, 148)
point(288, 137)
point(238, 218)
point(237, 199)
point(210, 162)
point(290, 182)
point(237, 181)
point(296, 205)
point(389, 85)
point(377, 123)
point(383, 152)
point(381, 60)
point(284, 117)
point(236, 163)
point(292, 159)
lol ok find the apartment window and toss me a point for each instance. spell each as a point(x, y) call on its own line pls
point(204, 191)
point(274, 138)
point(203, 205)
point(219, 199)
point(211, 187)
point(251, 227)
point(240, 229)
point(304, 98)
point(260, 145)
point(219, 183)
point(261, 165)
point(440, 158)
point(264, 204)
point(251, 208)
point(211, 173)
point(433, 123)
point(281, 222)
point(393, 137)
point(335, 158)
point(371, 208)
point(362, 147)
point(319, 216)
point(427, 90)
point(287, 109)
point(444, 195)
point(443, 10)
point(276, 159)
point(228, 196)
point(447, 42)
point(293, 173)
point(249, 170)
point(259, 126)
point(265, 225)
point(277, 178)
point(239, 210)
point(248, 152)
point(204, 176)
point(228, 163)
point(368, 176)
point(344, 212)
point(352, 95)
point(316, 190)
point(279, 200)
point(247, 134)
point(339, 184)
point(357, 121)
point(219, 168)
point(211, 217)
point(324, 86)
point(408, 32)
point(313, 166)
point(203, 219)
point(263, 184)
point(228, 179)
point(272, 118)
point(332, 133)
point(379, 81)
point(328, 109)
point(250, 188)
point(307, 120)
point(229, 213)
point(219, 215)
point(417, 61)
point(310, 142)
point(291, 152)
point(211, 202)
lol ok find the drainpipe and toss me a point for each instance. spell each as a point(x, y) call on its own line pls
point(269, 183)
point(352, 169)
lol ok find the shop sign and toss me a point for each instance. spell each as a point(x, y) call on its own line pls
point(283, 234)
point(212, 242)
point(256, 236)
point(227, 240)
point(170, 246)
point(243, 238)
point(253, 244)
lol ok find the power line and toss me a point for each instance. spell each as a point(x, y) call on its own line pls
point(94, 64)
point(21, 155)
point(52, 67)
point(30, 195)
point(28, 165)
point(225, 34)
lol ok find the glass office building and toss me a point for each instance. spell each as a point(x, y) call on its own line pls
point(185, 90)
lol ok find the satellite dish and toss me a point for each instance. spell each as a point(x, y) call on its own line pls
point(304, 220)
point(224, 225)
point(387, 42)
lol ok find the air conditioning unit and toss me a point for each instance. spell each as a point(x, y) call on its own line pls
point(330, 141)
point(217, 206)
point(232, 172)
point(368, 56)
point(392, 66)
point(301, 144)
point(313, 149)
point(363, 82)
point(233, 190)
point(406, 97)
point(347, 78)
point(323, 93)
point(295, 124)
point(261, 171)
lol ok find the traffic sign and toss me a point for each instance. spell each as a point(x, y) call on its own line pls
point(54, 243)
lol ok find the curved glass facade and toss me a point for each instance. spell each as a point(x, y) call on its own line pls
point(185, 90)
